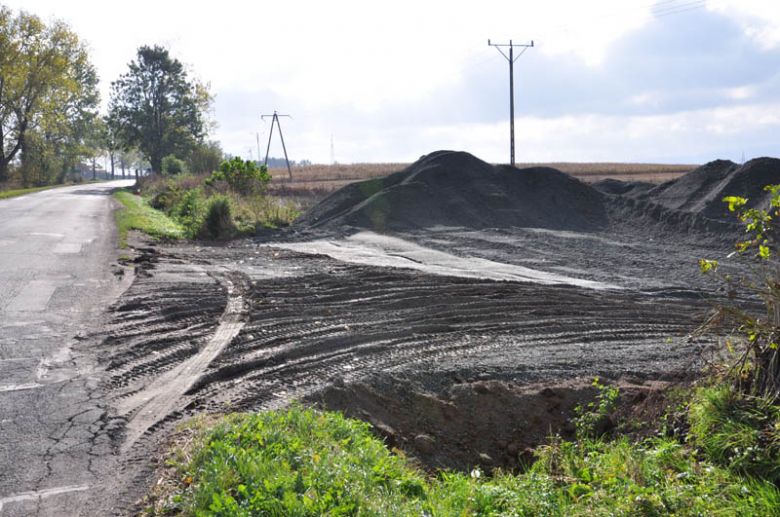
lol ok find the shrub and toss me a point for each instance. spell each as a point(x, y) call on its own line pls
point(218, 222)
point(172, 165)
point(243, 177)
point(757, 370)
point(190, 212)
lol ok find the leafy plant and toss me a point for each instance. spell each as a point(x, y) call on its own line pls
point(172, 165)
point(190, 212)
point(757, 369)
point(593, 418)
point(243, 177)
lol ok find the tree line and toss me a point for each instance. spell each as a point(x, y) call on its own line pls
point(49, 108)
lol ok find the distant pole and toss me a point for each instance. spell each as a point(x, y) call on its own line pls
point(511, 59)
point(275, 119)
point(258, 144)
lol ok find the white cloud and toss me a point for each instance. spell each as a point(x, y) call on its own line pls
point(759, 19)
point(339, 67)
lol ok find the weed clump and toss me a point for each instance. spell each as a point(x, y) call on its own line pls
point(218, 221)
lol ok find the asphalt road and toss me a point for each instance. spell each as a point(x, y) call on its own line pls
point(56, 278)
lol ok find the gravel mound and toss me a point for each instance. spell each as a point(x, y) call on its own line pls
point(449, 188)
point(692, 204)
point(702, 190)
point(622, 188)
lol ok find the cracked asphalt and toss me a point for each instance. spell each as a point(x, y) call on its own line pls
point(56, 278)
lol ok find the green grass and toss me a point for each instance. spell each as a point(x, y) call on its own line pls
point(138, 215)
point(21, 192)
point(302, 461)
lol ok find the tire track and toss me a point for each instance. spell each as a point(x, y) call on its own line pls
point(162, 396)
point(283, 338)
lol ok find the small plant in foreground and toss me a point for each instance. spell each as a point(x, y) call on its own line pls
point(757, 370)
point(594, 417)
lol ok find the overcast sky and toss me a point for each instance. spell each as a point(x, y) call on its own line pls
point(607, 80)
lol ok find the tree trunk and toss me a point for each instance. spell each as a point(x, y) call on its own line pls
point(94, 174)
point(122, 162)
point(112, 165)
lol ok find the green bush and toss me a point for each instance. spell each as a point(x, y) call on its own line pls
point(191, 211)
point(172, 165)
point(757, 369)
point(243, 177)
point(218, 222)
point(167, 197)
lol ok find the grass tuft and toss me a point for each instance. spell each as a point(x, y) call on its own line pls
point(138, 215)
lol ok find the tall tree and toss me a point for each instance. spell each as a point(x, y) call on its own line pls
point(157, 109)
point(47, 84)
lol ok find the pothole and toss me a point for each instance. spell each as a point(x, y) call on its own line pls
point(461, 425)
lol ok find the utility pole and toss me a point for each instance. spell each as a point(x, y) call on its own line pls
point(332, 151)
point(511, 60)
point(275, 119)
point(258, 144)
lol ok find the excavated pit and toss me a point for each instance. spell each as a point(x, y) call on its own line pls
point(488, 424)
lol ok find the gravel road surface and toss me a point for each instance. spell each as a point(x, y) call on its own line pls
point(56, 248)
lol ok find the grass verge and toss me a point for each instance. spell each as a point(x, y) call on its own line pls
point(302, 461)
point(21, 192)
point(138, 215)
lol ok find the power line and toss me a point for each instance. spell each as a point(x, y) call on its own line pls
point(511, 59)
point(270, 134)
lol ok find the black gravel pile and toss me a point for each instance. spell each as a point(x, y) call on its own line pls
point(702, 190)
point(448, 188)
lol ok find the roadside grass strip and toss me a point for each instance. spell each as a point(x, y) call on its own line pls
point(138, 215)
point(301, 461)
point(21, 192)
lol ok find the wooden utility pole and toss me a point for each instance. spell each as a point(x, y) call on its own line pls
point(511, 60)
point(275, 119)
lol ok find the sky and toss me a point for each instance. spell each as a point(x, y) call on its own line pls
point(675, 81)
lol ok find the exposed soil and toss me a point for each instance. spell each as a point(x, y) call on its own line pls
point(461, 425)
point(465, 330)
